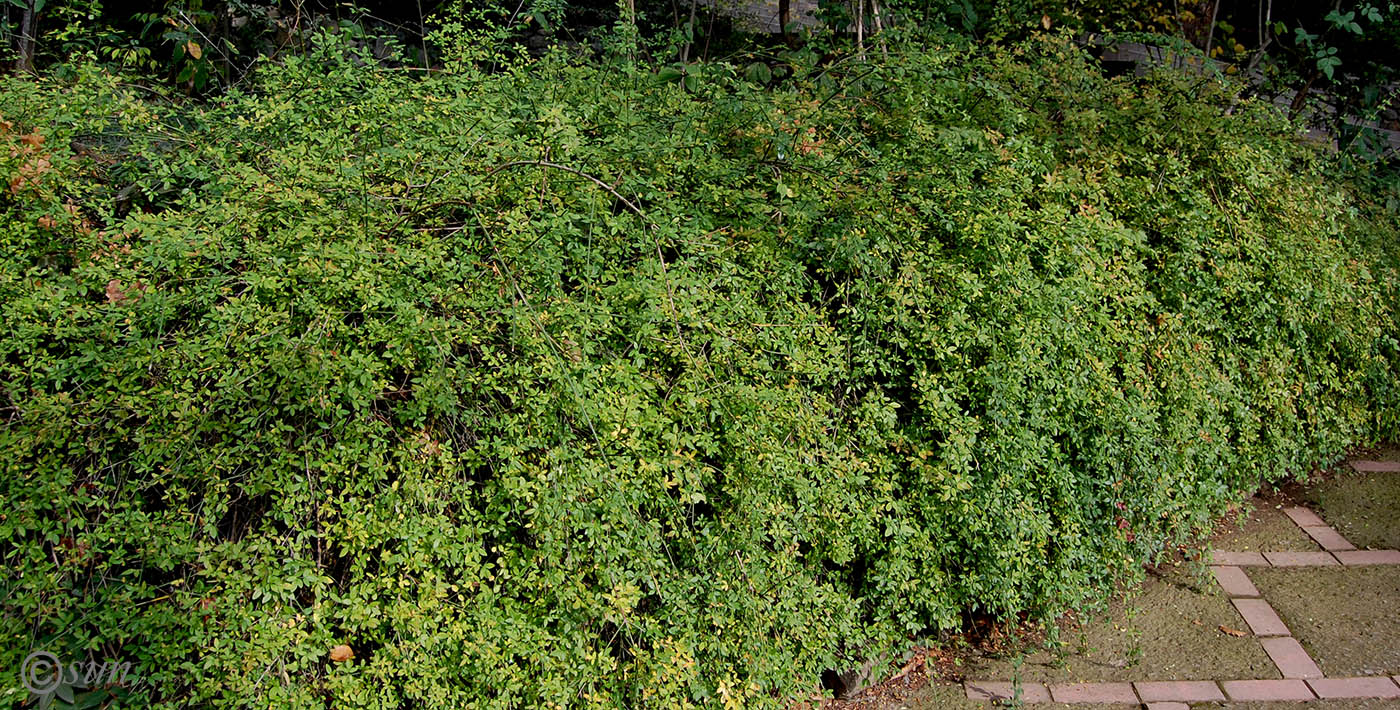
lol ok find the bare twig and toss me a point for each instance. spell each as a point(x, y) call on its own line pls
point(1266, 36)
point(423, 36)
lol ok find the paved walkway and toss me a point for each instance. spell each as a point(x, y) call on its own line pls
point(1285, 566)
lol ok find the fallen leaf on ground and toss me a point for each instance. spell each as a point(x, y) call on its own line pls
point(911, 665)
point(1232, 632)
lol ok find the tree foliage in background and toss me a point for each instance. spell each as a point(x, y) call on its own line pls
point(563, 383)
point(1337, 59)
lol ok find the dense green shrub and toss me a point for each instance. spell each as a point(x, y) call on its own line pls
point(778, 379)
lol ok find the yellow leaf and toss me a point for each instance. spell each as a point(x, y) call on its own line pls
point(194, 50)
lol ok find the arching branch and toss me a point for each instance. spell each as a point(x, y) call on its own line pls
point(580, 173)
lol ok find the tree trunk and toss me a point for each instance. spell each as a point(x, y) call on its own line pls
point(27, 22)
point(879, 28)
point(1210, 34)
point(784, 16)
point(1302, 96)
point(860, 28)
point(689, 32)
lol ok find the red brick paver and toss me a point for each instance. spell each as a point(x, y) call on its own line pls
point(1238, 559)
point(1289, 656)
point(1234, 582)
point(1186, 691)
point(1262, 619)
point(1328, 538)
point(1380, 687)
point(1300, 559)
point(1304, 517)
point(1375, 466)
point(1093, 693)
point(1168, 706)
point(1368, 557)
point(1262, 690)
point(998, 690)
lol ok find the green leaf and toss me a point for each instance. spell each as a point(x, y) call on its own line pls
point(759, 73)
point(1327, 65)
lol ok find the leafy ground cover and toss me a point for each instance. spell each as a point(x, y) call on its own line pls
point(566, 385)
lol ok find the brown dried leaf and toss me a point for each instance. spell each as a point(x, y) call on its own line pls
point(341, 654)
point(115, 294)
point(1232, 632)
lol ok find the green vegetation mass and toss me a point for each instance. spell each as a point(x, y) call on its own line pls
point(568, 385)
